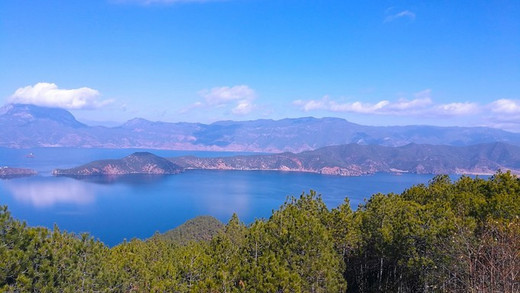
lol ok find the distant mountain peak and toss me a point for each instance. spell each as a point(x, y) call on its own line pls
point(30, 113)
point(5, 109)
point(137, 122)
point(136, 163)
point(145, 157)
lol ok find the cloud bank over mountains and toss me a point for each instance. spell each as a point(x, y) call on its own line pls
point(242, 101)
point(421, 105)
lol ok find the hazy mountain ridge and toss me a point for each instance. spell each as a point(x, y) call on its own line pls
point(24, 114)
point(25, 126)
point(136, 163)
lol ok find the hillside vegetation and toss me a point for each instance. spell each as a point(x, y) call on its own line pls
point(461, 236)
point(201, 228)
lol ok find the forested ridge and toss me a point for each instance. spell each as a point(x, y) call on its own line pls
point(461, 236)
point(356, 160)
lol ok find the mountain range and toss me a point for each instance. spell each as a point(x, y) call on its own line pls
point(25, 126)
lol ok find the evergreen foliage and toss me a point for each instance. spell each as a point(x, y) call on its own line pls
point(461, 236)
point(201, 228)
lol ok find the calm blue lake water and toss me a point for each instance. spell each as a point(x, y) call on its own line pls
point(137, 206)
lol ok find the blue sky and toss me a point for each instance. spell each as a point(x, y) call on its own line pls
point(370, 62)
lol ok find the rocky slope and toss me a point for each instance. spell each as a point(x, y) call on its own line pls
point(355, 160)
point(9, 172)
point(25, 126)
point(136, 163)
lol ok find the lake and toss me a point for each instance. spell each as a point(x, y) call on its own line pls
point(138, 206)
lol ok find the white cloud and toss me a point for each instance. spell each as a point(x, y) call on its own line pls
point(49, 95)
point(504, 114)
point(191, 107)
point(405, 13)
point(224, 95)
point(421, 105)
point(401, 106)
point(456, 109)
point(238, 99)
point(404, 104)
point(358, 107)
point(312, 104)
point(243, 107)
point(505, 106)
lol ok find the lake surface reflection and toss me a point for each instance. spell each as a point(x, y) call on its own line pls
point(47, 192)
point(115, 208)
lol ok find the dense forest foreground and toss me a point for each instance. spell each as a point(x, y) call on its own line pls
point(461, 236)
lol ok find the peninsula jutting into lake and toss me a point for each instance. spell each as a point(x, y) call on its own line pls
point(344, 160)
point(11, 172)
point(136, 163)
